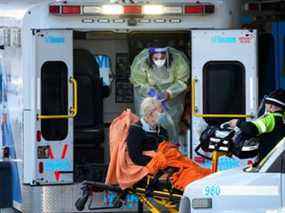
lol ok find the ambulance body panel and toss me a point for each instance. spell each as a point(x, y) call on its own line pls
point(248, 190)
point(37, 56)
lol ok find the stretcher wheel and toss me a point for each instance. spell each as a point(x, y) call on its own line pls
point(80, 203)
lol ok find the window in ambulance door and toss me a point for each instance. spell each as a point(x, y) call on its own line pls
point(54, 99)
point(223, 89)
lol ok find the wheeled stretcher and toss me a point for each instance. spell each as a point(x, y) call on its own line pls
point(151, 191)
point(157, 193)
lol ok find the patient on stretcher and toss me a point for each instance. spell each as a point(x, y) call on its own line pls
point(140, 147)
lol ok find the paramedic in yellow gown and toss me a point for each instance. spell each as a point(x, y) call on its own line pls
point(165, 71)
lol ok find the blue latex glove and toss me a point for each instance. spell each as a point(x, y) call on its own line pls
point(152, 92)
point(159, 96)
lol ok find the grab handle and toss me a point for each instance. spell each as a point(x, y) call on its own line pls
point(194, 114)
point(74, 108)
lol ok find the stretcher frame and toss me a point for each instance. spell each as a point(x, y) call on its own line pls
point(154, 201)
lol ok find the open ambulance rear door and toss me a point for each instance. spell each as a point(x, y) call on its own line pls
point(224, 77)
point(48, 157)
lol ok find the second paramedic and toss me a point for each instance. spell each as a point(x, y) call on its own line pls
point(269, 128)
point(164, 73)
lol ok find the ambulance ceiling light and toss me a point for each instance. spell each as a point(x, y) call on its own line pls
point(112, 9)
point(117, 9)
point(71, 9)
point(92, 10)
point(132, 10)
point(162, 10)
point(199, 9)
point(153, 10)
point(194, 9)
point(173, 10)
point(54, 9)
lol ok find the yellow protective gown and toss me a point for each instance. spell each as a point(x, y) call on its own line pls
point(172, 78)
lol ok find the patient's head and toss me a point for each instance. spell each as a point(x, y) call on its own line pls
point(150, 110)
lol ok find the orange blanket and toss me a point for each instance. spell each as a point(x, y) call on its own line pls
point(124, 172)
point(121, 169)
point(168, 155)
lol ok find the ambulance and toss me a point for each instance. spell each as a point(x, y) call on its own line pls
point(64, 76)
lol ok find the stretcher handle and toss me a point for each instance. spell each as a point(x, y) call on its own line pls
point(200, 154)
point(194, 114)
point(214, 159)
point(73, 110)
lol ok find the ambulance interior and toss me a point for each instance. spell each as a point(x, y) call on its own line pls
point(99, 103)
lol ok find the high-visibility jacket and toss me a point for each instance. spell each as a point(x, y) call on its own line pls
point(269, 129)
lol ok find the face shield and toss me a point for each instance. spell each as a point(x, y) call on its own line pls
point(261, 108)
point(158, 56)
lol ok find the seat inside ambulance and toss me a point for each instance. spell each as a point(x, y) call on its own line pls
point(88, 124)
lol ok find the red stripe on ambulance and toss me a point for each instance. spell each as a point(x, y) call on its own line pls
point(64, 151)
